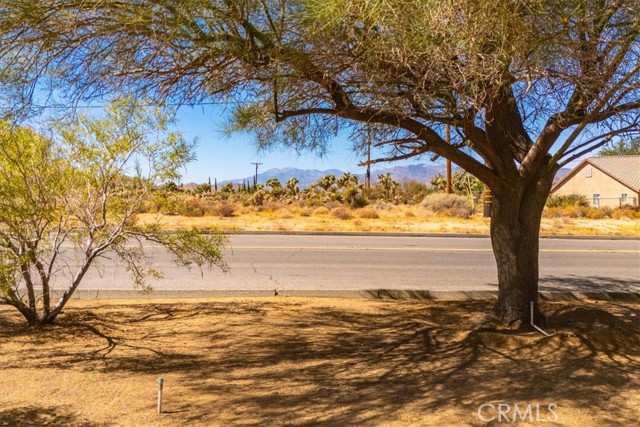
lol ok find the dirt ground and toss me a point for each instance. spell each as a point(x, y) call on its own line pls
point(402, 219)
point(318, 362)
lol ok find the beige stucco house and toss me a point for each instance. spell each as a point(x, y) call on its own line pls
point(606, 181)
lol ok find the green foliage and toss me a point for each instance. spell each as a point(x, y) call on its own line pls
point(563, 201)
point(292, 186)
point(84, 188)
point(346, 180)
point(388, 185)
point(202, 188)
point(170, 187)
point(258, 197)
point(461, 183)
point(277, 190)
point(326, 182)
point(622, 148)
point(414, 191)
point(227, 188)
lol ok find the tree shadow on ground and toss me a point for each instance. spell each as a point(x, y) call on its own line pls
point(36, 416)
point(323, 366)
point(571, 283)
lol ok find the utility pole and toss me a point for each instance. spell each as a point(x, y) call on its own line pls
point(448, 139)
point(368, 173)
point(255, 178)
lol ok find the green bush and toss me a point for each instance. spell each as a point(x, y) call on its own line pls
point(563, 201)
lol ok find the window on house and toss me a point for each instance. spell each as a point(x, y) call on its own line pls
point(596, 200)
point(588, 173)
point(623, 198)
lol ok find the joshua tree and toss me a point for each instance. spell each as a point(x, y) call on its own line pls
point(292, 186)
point(326, 182)
point(388, 185)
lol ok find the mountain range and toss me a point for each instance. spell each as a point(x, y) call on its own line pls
point(421, 172)
point(306, 177)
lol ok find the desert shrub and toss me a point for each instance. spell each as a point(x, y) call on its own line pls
point(576, 211)
point(306, 211)
point(563, 201)
point(353, 195)
point(554, 213)
point(341, 213)
point(591, 212)
point(202, 188)
point(271, 205)
point(382, 206)
point(225, 210)
point(192, 206)
point(333, 204)
point(160, 201)
point(322, 210)
point(625, 212)
point(368, 213)
point(284, 213)
point(414, 191)
point(594, 214)
point(448, 205)
point(606, 211)
point(257, 198)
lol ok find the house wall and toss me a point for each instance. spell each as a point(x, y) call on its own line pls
point(609, 189)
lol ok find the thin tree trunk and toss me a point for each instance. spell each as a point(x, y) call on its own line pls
point(49, 318)
point(30, 316)
point(515, 233)
point(31, 312)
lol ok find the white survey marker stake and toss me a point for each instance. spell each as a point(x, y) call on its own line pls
point(160, 385)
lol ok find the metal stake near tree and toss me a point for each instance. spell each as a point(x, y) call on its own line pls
point(527, 87)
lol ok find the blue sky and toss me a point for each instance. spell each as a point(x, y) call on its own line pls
point(227, 157)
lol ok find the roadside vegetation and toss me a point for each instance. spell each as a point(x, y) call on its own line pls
point(345, 198)
point(577, 206)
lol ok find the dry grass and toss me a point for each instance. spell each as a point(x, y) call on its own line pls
point(315, 362)
point(382, 218)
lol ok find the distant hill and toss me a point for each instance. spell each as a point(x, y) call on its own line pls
point(417, 172)
point(561, 173)
point(306, 177)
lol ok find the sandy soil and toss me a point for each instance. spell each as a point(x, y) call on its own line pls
point(317, 362)
point(396, 219)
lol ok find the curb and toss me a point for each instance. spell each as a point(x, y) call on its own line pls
point(414, 234)
point(375, 294)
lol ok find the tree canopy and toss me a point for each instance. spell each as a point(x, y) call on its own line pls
point(70, 200)
point(622, 148)
point(515, 78)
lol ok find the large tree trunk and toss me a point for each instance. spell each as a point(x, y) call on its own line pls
point(515, 232)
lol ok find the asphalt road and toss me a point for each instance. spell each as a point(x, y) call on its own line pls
point(294, 262)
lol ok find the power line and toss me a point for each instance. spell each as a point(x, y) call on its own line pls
point(255, 179)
